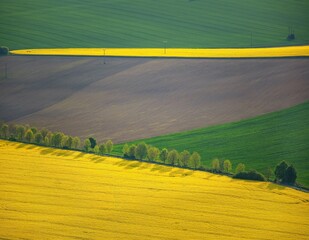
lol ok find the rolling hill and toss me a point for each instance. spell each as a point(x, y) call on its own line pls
point(259, 143)
point(133, 98)
point(147, 23)
point(55, 194)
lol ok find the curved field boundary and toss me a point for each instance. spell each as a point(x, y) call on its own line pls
point(298, 51)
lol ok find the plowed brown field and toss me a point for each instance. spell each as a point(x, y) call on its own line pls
point(131, 98)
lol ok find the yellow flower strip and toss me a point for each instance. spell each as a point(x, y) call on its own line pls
point(295, 51)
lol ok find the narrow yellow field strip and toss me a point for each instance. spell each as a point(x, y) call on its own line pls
point(55, 194)
point(295, 51)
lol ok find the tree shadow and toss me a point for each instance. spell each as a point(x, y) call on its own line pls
point(181, 173)
point(141, 165)
point(31, 147)
point(56, 152)
point(272, 186)
point(122, 163)
point(80, 155)
point(24, 145)
point(61, 153)
point(97, 159)
point(161, 169)
point(20, 145)
point(134, 165)
point(47, 151)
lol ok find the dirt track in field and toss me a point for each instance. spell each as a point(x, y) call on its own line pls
point(132, 98)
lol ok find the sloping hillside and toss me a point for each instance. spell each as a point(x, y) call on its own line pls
point(134, 98)
point(54, 194)
point(148, 23)
point(260, 143)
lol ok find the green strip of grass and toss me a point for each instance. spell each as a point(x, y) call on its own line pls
point(259, 143)
point(147, 23)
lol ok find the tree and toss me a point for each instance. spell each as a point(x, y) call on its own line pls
point(290, 175)
point(87, 145)
point(20, 132)
point(44, 132)
point(5, 131)
point(172, 157)
point(195, 160)
point(163, 155)
point(38, 138)
point(109, 146)
point(57, 139)
point(69, 142)
point(96, 149)
point(132, 150)
point(125, 150)
point(76, 143)
point(12, 131)
point(46, 141)
point(102, 149)
point(184, 158)
point(29, 136)
point(141, 151)
point(280, 171)
point(50, 137)
point(64, 141)
point(215, 165)
point(93, 142)
point(153, 153)
point(227, 165)
point(240, 168)
point(34, 130)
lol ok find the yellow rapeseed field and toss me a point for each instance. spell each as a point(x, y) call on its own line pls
point(293, 51)
point(55, 194)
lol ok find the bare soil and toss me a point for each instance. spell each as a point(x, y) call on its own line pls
point(133, 98)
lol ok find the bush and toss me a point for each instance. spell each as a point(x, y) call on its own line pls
point(4, 50)
point(250, 175)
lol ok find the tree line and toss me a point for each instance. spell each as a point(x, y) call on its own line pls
point(144, 152)
point(91, 146)
point(43, 137)
point(283, 173)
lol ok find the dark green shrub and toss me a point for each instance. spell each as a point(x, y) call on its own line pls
point(250, 175)
point(93, 142)
point(4, 50)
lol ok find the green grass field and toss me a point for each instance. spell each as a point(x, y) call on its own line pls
point(259, 142)
point(147, 23)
